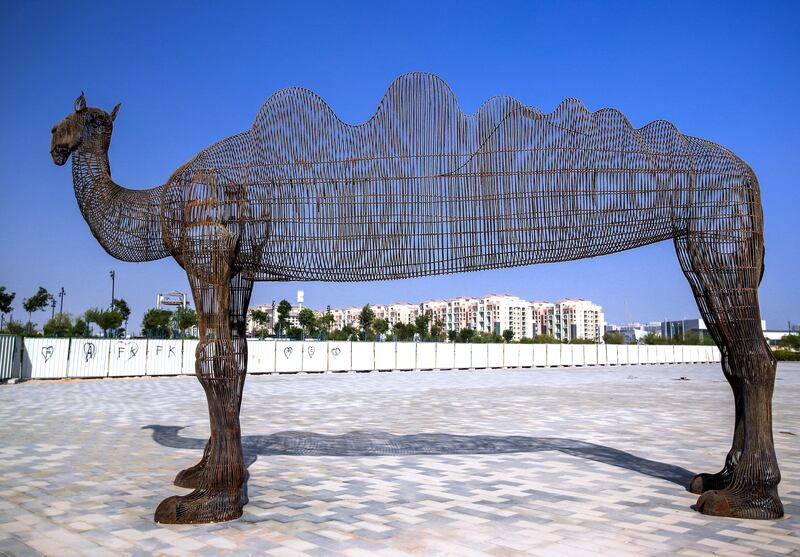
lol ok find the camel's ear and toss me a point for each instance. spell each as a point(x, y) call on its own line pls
point(114, 112)
point(80, 103)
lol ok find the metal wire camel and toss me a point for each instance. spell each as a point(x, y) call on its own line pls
point(421, 189)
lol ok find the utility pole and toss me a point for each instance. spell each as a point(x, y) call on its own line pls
point(61, 295)
point(53, 305)
point(113, 275)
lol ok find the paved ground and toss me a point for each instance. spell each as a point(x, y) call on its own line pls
point(540, 462)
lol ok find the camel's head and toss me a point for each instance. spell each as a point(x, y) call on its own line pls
point(84, 126)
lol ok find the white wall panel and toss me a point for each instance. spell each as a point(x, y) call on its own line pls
point(526, 355)
point(288, 356)
point(661, 353)
point(540, 355)
point(45, 358)
point(339, 356)
point(480, 356)
point(612, 354)
point(633, 354)
point(164, 357)
point(260, 356)
point(590, 354)
point(553, 354)
point(88, 357)
point(566, 354)
point(363, 356)
point(495, 355)
point(426, 355)
point(128, 357)
point(462, 356)
point(406, 355)
point(445, 355)
point(622, 354)
point(385, 356)
point(511, 355)
point(602, 354)
point(577, 354)
point(315, 356)
point(190, 356)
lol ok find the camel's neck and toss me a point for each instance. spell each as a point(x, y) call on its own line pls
point(127, 223)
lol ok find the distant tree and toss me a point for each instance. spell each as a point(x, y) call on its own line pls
point(326, 322)
point(17, 328)
point(284, 309)
point(183, 319)
point(37, 302)
point(508, 335)
point(526, 340)
point(123, 308)
point(422, 322)
point(365, 319)
point(294, 333)
point(790, 341)
point(5, 300)
point(380, 326)
point(452, 336)
point(308, 321)
point(80, 329)
point(582, 341)
point(437, 329)
point(614, 337)
point(545, 339)
point(156, 323)
point(261, 319)
point(696, 338)
point(465, 335)
point(59, 326)
point(107, 320)
point(404, 331)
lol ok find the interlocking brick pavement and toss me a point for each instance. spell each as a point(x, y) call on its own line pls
point(580, 461)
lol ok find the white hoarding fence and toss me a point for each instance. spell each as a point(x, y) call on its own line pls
point(127, 358)
point(59, 358)
point(88, 357)
point(315, 356)
point(45, 358)
point(339, 356)
point(164, 357)
point(385, 356)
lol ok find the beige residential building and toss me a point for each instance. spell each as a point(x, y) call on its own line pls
point(566, 319)
point(437, 309)
point(576, 318)
point(543, 315)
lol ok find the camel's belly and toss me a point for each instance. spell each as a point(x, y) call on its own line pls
point(384, 230)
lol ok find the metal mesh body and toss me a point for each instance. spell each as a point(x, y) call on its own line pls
point(421, 189)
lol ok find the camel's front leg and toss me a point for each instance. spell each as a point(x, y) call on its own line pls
point(240, 291)
point(209, 258)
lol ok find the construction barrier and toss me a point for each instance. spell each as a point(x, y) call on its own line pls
point(41, 358)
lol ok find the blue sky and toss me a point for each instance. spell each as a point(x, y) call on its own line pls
point(189, 74)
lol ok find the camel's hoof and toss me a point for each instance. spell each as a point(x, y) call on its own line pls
point(724, 502)
point(706, 482)
point(200, 507)
point(190, 478)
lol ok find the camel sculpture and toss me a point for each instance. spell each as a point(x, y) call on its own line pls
point(420, 189)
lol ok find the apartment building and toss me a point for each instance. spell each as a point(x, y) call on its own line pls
point(577, 318)
point(566, 319)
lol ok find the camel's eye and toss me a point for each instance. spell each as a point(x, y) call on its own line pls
point(53, 130)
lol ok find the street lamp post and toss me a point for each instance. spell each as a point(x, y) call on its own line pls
point(113, 275)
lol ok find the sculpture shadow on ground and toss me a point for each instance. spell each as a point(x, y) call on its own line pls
point(378, 443)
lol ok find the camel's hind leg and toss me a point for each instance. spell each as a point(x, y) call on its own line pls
point(723, 265)
point(240, 291)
